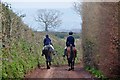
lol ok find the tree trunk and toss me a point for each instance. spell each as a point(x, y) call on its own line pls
point(46, 27)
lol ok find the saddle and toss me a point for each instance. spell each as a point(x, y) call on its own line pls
point(48, 47)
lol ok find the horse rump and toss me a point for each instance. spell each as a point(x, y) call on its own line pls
point(71, 53)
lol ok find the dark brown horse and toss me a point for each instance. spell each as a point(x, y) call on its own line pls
point(48, 51)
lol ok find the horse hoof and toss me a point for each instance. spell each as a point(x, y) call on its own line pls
point(69, 69)
point(48, 67)
point(72, 69)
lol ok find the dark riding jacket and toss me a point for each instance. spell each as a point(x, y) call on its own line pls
point(70, 40)
point(47, 41)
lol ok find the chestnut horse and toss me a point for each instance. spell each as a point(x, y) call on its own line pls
point(71, 55)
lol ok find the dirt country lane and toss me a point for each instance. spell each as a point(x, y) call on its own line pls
point(59, 72)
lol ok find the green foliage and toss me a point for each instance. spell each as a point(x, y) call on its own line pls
point(57, 58)
point(77, 35)
point(62, 35)
point(23, 56)
point(95, 72)
point(88, 52)
point(18, 60)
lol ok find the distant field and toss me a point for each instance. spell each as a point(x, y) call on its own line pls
point(62, 35)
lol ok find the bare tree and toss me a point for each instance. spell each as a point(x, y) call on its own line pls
point(49, 18)
point(77, 6)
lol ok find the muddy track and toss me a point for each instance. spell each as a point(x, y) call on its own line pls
point(59, 72)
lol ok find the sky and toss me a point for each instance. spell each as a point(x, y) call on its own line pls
point(70, 19)
point(60, 0)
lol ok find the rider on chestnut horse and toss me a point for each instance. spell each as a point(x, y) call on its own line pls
point(70, 51)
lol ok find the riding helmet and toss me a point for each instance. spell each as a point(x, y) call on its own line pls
point(47, 36)
point(71, 33)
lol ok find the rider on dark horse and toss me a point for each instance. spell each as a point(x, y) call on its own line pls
point(47, 50)
point(70, 51)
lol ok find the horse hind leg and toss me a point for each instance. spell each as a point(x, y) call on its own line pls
point(72, 65)
point(47, 63)
point(50, 63)
point(68, 62)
